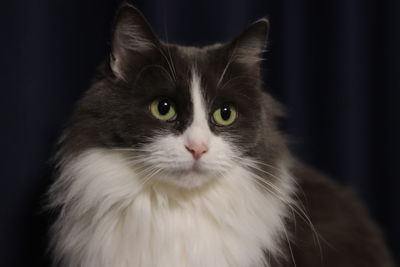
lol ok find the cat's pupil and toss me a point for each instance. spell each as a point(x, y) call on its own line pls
point(225, 113)
point(163, 107)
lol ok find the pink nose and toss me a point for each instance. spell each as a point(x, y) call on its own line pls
point(197, 150)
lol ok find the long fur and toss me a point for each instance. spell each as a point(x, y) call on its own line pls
point(111, 217)
point(131, 193)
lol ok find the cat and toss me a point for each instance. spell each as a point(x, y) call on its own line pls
point(173, 158)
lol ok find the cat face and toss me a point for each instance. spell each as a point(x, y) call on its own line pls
point(182, 115)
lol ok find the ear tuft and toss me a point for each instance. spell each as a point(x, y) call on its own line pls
point(249, 46)
point(132, 37)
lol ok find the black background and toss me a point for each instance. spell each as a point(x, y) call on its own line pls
point(334, 64)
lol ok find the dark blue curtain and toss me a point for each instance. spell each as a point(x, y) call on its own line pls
point(334, 64)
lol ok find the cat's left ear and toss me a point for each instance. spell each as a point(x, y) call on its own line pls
point(133, 43)
point(251, 43)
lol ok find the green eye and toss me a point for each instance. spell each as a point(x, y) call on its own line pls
point(163, 109)
point(225, 115)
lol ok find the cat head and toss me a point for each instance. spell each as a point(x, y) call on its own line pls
point(188, 114)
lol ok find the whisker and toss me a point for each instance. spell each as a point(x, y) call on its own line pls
point(230, 60)
point(290, 247)
point(279, 170)
point(297, 207)
point(238, 77)
point(168, 62)
point(169, 52)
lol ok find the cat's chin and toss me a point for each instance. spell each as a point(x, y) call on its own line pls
point(189, 178)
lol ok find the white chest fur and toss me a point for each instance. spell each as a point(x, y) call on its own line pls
point(110, 219)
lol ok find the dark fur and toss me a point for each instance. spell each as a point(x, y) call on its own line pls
point(348, 238)
point(115, 113)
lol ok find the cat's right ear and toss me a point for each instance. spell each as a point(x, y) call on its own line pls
point(133, 41)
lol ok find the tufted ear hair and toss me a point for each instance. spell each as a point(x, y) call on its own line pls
point(249, 46)
point(133, 41)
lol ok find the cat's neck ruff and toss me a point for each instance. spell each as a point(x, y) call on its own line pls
point(111, 219)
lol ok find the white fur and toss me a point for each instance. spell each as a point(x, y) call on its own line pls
point(198, 131)
point(166, 209)
point(110, 219)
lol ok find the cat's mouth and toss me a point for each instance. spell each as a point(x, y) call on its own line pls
point(191, 175)
point(193, 168)
point(186, 173)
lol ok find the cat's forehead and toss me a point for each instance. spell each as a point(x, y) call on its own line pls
point(204, 59)
point(220, 77)
point(193, 52)
point(208, 62)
